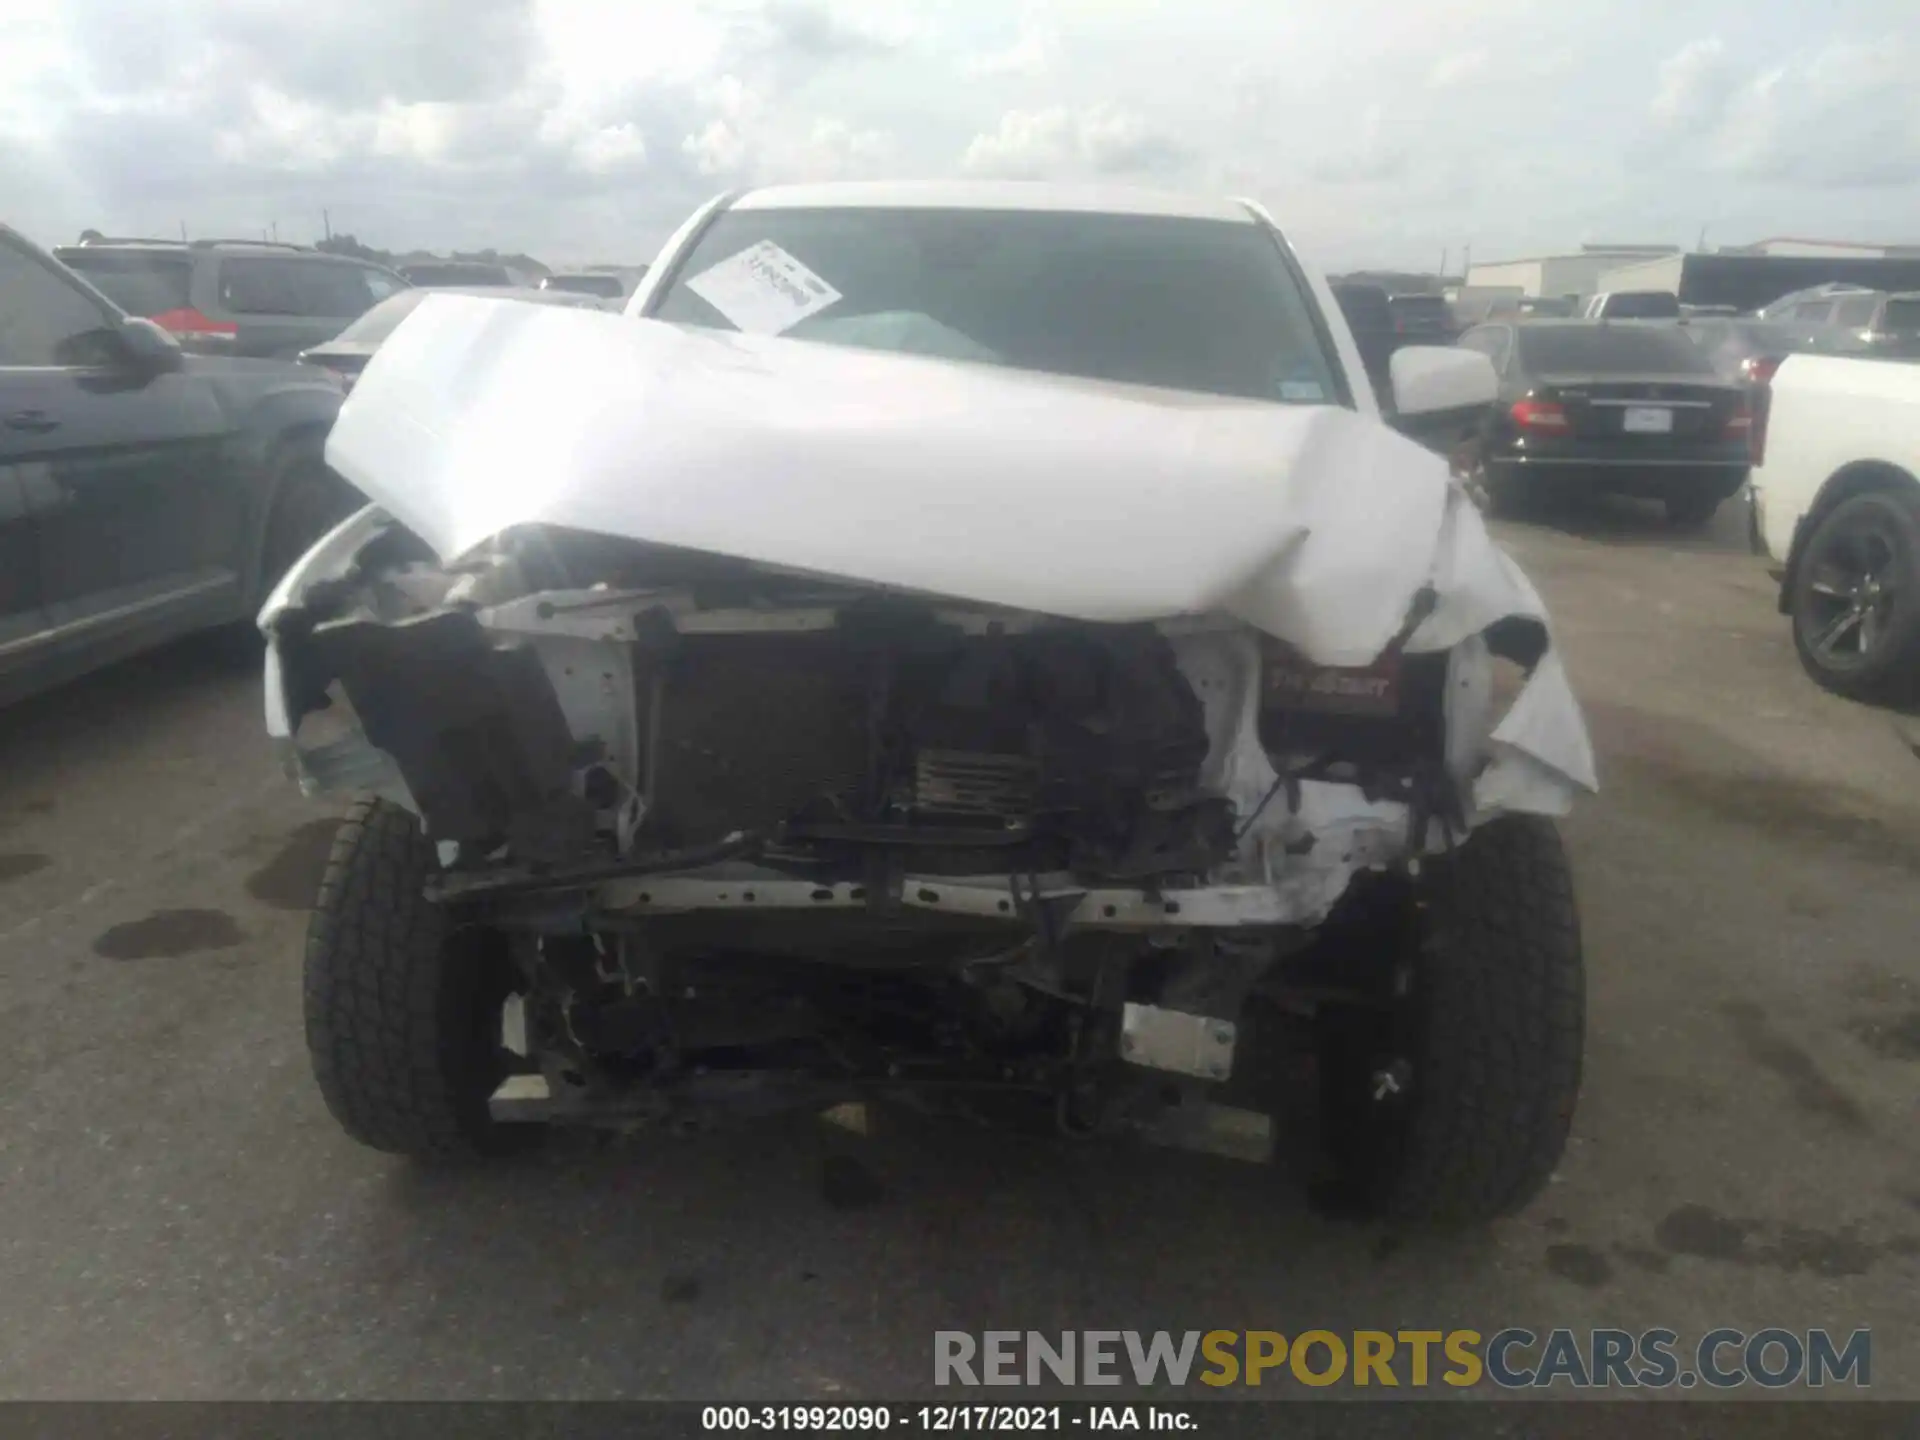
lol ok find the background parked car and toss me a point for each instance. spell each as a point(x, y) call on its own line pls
point(1633, 305)
point(1549, 307)
point(1370, 320)
point(588, 282)
point(1627, 409)
point(144, 492)
point(233, 297)
point(346, 354)
point(1836, 504)
point(1422, 319)
point(1742, 347)
point(1856, 322)
point(1809, 304)
point(459, 272)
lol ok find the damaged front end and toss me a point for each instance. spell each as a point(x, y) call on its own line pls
point(760, 840)
point(751, 788)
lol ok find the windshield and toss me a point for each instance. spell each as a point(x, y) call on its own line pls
point(139, 284)
point(1184, 304)
point(1611, 350)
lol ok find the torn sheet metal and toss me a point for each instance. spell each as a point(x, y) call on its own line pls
point(1078, 499)
point(1075, 498)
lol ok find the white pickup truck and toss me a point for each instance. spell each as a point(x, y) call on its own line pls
point(1835, 495)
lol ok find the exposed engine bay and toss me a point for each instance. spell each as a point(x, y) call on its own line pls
point(810, 726)
point(758, 840)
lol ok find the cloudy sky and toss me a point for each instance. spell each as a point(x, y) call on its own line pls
point(1379, 131)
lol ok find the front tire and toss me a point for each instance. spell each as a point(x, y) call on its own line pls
point(1452, 1103)
point(1855, 601)
point(403, 1006)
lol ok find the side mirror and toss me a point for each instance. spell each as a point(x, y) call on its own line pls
point(147, 348)
point(1431, 379)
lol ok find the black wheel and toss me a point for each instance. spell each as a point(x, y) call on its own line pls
point(1855, 600)
point(404, 1007)
point(308, 500)
point(1691, 512)
point(1451, 1102)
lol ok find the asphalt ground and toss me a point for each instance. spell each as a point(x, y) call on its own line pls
point(179, 1216)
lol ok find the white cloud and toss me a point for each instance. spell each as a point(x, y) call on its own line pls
point(1849, 116)
point(1060, 142)
point(1696, 82)
point(835, 150)
point(1373, 160)
point(1845, 116)
point(746, 141)
point(610, 149)
point(1027, 58)
point(1368, 125)
point(718, 149)
point(1457, 68)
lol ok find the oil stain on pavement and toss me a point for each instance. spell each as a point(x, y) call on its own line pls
point(291, 879)
point(1809, 1086)
point(13, 867)
point(1706, 1234)
point(167, 934)
point(1581, 1264)
point(1891, 1039)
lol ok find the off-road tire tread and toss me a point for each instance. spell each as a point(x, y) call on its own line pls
point(1502, 1005)
point(386, 999)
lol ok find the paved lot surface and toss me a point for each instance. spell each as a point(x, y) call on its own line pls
point(179, 1217)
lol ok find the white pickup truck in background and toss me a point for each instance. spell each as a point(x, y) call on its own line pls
point(1835, 492)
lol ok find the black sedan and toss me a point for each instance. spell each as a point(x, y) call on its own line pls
point(1632, 408)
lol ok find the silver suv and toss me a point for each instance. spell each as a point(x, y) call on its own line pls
point(233, 297)
point(1849, 320)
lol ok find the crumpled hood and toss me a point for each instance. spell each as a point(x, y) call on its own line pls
point(1085, 500)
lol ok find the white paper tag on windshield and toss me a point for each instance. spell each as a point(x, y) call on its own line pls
point(763, 290)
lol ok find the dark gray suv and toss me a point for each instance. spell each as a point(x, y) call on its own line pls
point(234, 297)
